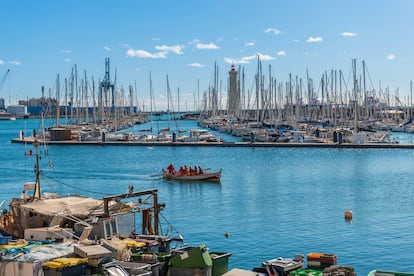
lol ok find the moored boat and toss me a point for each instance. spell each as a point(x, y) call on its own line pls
point(389, 273)
point(190, 174)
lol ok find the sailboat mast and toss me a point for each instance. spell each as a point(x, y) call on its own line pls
point(151, 100)
point(57, 101)
point(36, 194)
point(355, 97)
point(168, 102)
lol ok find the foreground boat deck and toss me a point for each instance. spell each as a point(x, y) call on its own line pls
point(220, 144)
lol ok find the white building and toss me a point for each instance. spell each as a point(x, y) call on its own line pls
point(17, 109)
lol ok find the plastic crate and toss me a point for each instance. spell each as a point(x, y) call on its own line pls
point(179, 271)
point(220, 263)
point(79, 269)
point(4, 240)
point(321, 260)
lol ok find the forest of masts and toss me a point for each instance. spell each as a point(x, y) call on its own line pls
point(333, 98)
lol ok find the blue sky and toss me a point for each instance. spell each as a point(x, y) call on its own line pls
point(184, 39)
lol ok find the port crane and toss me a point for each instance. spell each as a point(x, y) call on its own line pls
point(3, 79)
point(106, 87)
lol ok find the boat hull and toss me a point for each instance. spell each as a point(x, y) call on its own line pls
point(389, 273)
point(208, 176)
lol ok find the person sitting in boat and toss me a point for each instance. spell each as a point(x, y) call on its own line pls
point(186, 170)
point(195, 170)
point(191, 171)
point(171, 169)
point(200, 170)
point(182, 170)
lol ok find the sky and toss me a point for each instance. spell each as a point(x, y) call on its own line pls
point(184, 39)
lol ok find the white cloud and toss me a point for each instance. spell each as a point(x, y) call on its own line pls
point(66, 51)
point(235, 61)
point(196, 64)
point(242, 60)
point(247, 59)
point(265, 57)
point(249, 44)
point(314, 39)
point(1, 62)
point(67, 60)
point(177, 49)
point(296, 40)
point(391, 56)
point(348, 34)
point(281, 53)
point(106, 48)
point(14, 62)
point(145, 54)
point(207, 46)
point(273, 31)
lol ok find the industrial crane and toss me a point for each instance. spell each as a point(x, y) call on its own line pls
point(3, 80)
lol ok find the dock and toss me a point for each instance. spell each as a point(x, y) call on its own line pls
point(30, 140)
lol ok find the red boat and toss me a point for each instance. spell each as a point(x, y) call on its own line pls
point(194, 176)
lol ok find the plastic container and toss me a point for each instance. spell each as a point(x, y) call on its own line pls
point(306, 272)
point(4, 240)
point(180, 271)
point(163, 241)
point(149, 245)
point(153, 268)
point(65, 267)
point(145, 257)
point(282, 266)
point(191, 257)
point(132, 267)
point(220, 262)
point(65, 262)
point(321, 260)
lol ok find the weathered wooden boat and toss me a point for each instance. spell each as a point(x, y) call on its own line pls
point(40, 213)
point(204, 176)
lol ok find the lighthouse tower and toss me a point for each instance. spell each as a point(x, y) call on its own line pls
point(234, 93)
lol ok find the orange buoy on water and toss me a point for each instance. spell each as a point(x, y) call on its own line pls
point(348, 215)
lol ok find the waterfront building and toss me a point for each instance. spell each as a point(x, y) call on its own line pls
point(17, 110)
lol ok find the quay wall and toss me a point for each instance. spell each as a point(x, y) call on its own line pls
point(220, 144)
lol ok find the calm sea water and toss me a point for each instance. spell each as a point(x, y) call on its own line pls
point(273, 201)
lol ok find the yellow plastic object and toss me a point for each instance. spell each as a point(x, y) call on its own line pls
point(65, 262)
point(132, 243)
point(14, 243)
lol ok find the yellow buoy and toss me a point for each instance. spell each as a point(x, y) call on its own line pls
point(348, 214)
point(227, 235)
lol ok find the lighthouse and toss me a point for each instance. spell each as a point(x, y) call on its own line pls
point(234, 92)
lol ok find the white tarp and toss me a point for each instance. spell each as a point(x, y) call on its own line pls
point(76, 206)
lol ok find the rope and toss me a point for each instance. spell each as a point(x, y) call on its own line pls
point(171, 226)
point(74, 187)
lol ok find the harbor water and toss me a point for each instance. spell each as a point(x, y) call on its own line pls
point(271, 202)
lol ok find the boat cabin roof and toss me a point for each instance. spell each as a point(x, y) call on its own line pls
point(72, 205)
